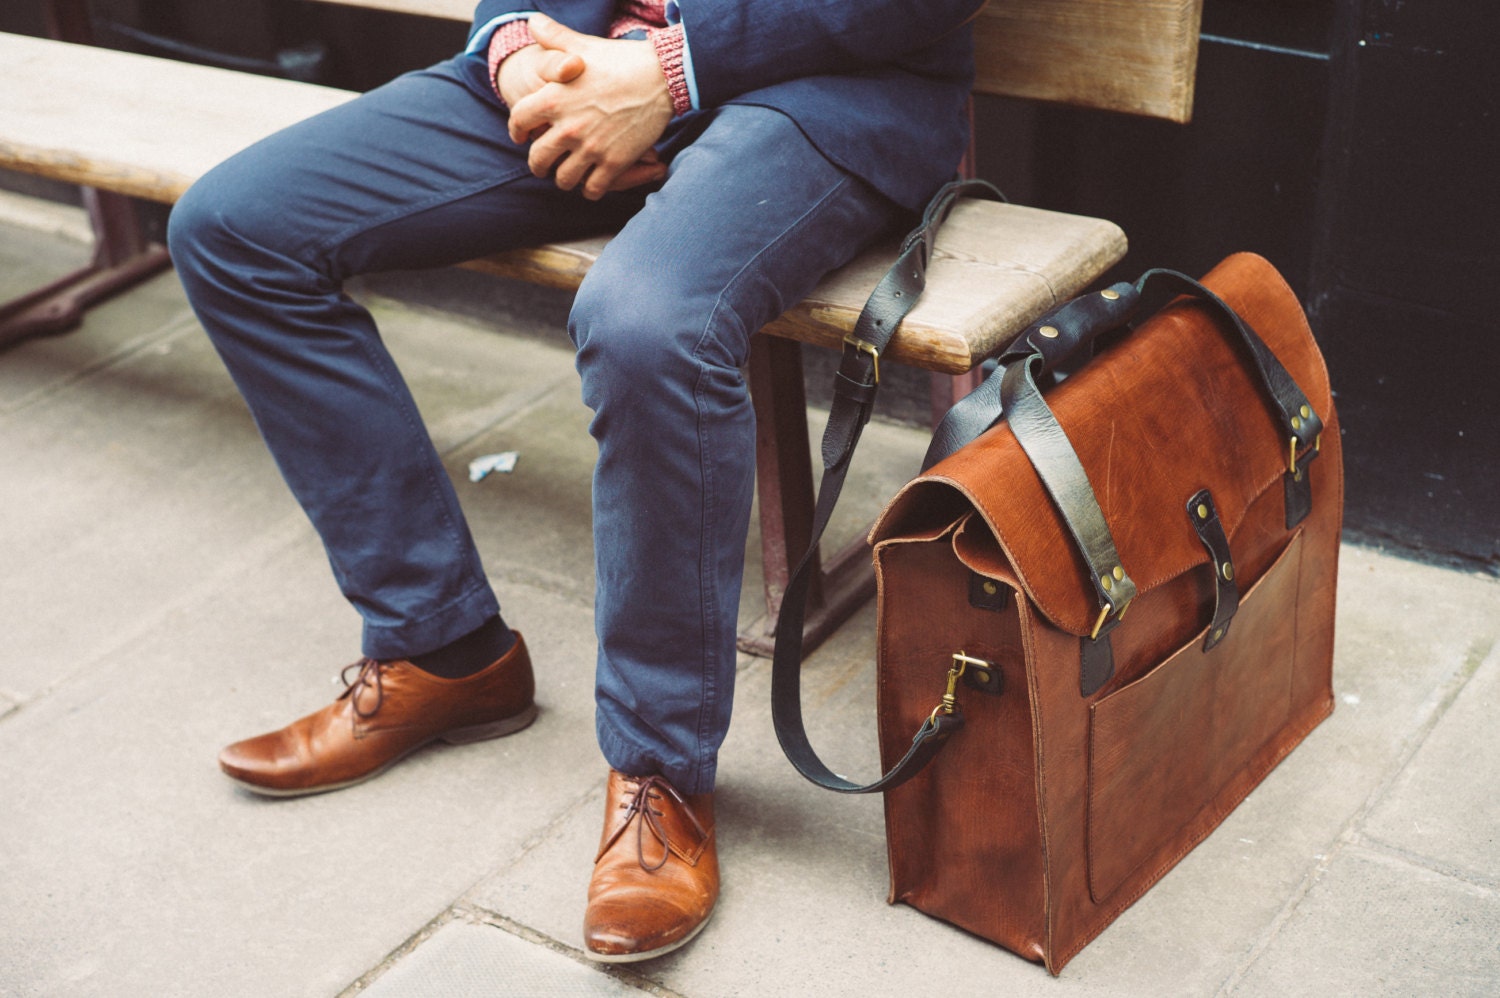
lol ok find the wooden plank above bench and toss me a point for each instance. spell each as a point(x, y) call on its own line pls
point(149, 127)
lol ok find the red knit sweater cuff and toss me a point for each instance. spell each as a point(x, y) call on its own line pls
point(668, 43)
point(508, 39)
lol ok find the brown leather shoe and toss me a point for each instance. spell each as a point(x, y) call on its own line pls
point(656, 878)
point(389, 710)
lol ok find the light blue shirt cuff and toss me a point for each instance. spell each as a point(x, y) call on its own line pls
point(674, 16)
point(480, 40)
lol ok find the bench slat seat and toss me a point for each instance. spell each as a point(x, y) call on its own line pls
point(149, 127)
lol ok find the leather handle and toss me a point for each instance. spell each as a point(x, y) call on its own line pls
point(1054, 338)
point(1067, 329)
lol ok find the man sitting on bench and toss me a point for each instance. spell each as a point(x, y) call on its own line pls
point(744, 149)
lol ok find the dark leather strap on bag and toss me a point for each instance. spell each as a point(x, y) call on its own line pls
point(1049, 342)
point(854, 390)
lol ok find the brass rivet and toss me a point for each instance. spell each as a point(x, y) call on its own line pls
point(1202, 511)
point(1119, 573)
point(1306, 412)
point(980, 676)
point(1228, 572)
point(1218, 633)
point(990, 588)
point(1049, 331)
point(1109, 293)
point(1106, 582)
point(1296, 423)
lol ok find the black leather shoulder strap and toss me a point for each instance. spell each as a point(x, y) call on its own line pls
point(855, 386)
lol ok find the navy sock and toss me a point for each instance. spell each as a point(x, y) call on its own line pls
point(469, 654)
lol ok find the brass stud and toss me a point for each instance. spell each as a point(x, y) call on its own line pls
point(990, 588)
point(1110, 294)
point(1106, 582)
point(1228, 571)
point(1119, 573)
point(980, 676)
point(1296, 423)
point(1049, 331)
point(1218, 633)
point(1306, 412)
point(1202, 511)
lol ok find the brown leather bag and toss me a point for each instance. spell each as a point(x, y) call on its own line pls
point(1109, 616)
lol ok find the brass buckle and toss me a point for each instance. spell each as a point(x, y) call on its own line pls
point(1104, 615)
point(955, 672)
point(850, 340)
point(1292, 458)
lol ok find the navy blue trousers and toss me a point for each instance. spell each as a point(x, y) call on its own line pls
point(421, 173)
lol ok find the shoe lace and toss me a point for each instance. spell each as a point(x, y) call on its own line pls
point(368, 678)
point(646, 791)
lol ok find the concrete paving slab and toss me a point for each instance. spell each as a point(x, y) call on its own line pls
point(466, 378)
point(536, 520)
point(1445, 806)
point(133, 867)
point(482, 961)
point(122, 492)
point(111, 332)
point(132, 485)
point(39, 242)
point(1376, 925)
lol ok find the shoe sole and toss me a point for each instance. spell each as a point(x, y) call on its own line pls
point(648, 954)
point(458, 736)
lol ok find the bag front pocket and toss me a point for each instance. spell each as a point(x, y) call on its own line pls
point(1165, 749)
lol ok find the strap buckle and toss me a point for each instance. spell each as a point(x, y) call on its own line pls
point(1104, 613)
point(961, 662)
point(1292, 456)
point(863, 346)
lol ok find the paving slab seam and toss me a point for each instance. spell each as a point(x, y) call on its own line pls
point(183, 325)
point(509, 412)
point(444, 917)
point(48, 218)
point(292, 531)
point(1392, 544)
point(530, 935)
point(556, 584)
point(1488, 882)
point(1429, 714)
point(560, 820)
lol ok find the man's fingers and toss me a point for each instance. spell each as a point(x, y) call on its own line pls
point(550, 34)
point(633, 176)
point(559, 67)
point(547, 154)
point(528, 119)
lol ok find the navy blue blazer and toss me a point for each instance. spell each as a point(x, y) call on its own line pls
point(879, 86)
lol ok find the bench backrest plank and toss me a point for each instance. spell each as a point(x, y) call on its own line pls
point(1135, 56)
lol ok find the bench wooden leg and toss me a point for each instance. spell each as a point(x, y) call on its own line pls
point(122, 257)
point(785, 487)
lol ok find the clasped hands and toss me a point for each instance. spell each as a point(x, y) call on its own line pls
point(592, 108)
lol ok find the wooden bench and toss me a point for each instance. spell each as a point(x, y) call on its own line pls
point(147, 128)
